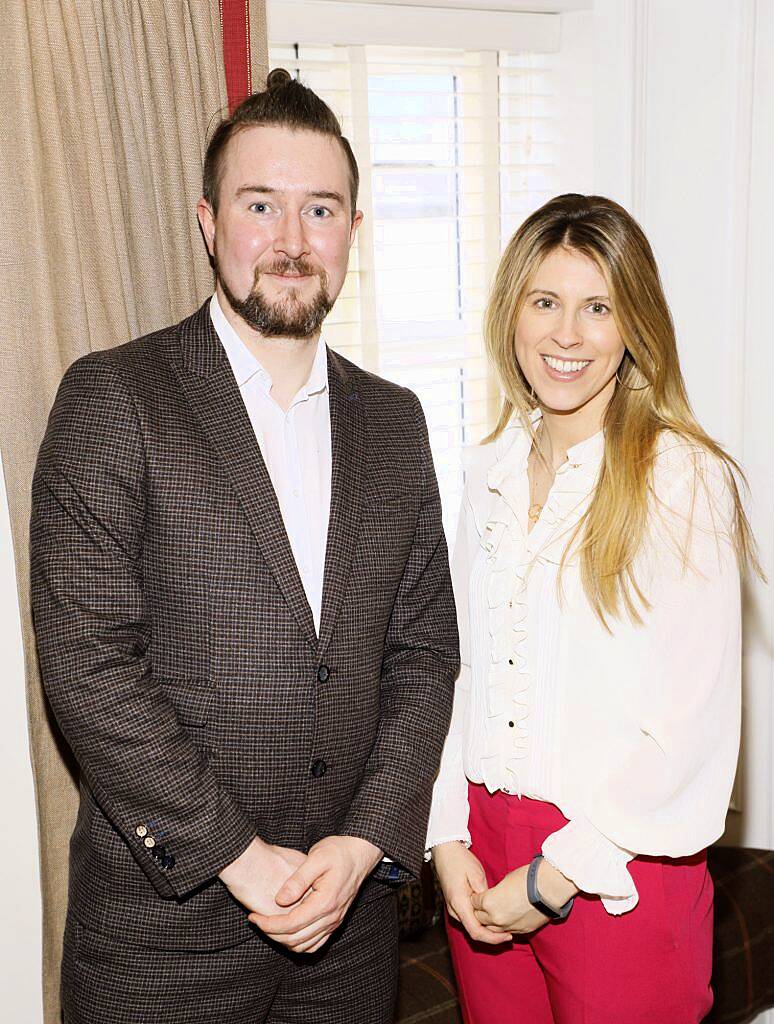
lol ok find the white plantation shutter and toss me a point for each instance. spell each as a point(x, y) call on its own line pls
point(455, 148)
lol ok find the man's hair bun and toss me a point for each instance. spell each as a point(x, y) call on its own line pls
point(277, 78)
point(287, 103)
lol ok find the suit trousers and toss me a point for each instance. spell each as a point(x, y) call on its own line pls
point(651, 965)
point(352, 980)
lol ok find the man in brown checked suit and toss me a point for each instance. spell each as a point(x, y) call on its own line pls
point(245, 621)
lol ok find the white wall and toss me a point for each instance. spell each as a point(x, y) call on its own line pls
point(20, 934)
point(683, 117)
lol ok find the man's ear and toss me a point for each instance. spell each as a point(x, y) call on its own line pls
point(207, 223)
point(357, 220)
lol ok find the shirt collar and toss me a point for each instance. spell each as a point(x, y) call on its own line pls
point(589, 450)
point(318, 378)
point(245, 366)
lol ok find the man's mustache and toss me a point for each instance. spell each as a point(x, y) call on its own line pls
point(301, 267)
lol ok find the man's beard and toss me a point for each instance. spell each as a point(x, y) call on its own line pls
point(288, 317)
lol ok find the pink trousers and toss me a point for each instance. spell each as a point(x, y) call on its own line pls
point(650, 966)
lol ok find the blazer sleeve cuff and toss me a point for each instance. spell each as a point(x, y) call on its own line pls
point(181, 860)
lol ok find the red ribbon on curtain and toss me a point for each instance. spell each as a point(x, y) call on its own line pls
point(235, 24)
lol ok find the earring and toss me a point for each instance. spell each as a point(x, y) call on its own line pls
point(628, 386)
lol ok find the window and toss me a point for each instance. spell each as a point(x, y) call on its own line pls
point(455, 148)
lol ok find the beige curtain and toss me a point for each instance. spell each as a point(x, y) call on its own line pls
point(105, 112)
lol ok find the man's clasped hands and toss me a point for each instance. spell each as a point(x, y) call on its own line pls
point(300, 899)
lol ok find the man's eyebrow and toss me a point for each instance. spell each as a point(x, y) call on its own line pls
point(337, 197)
point(546, 291)
point(263, 189)
point(266, 191)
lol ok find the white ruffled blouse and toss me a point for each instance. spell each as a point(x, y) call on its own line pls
point(634, 733)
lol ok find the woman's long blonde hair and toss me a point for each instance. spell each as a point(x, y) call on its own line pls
point(649, 397)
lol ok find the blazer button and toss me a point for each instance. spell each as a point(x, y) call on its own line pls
point(168, 861)
point(319, 768)
point(323, 674)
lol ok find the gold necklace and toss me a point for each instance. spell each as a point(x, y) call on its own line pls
point(534, 510)
point(533, 513)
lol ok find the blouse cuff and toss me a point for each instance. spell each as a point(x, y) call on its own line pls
point(464, 839)
point(448, 816)
point(449, 810)
point(593, 863)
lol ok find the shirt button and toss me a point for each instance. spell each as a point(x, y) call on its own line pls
point(319, 768)
point(296, 493)
point(510, 724)
point(323, 674)
point(141, 831)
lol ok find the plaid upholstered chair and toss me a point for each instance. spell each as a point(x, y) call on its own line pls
point(743, 977)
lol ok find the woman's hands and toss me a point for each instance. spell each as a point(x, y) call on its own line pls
point(505, 907)
point(462, 878)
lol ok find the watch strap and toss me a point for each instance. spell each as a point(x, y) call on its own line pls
point(537, 901)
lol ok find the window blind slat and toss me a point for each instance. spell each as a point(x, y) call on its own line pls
point(456, 148)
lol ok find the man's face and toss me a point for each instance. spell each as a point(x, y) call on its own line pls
point(282, 234)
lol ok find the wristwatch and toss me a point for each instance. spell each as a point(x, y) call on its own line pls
point(537, 901)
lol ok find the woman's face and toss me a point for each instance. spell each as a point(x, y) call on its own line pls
point(567, 342)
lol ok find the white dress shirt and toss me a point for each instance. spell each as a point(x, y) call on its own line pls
point(633, 734)
point(296, 447)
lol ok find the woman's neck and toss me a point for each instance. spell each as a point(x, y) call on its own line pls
point(561, 431)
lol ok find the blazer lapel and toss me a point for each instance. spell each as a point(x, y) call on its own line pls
point(348, 457)
point(208, 383)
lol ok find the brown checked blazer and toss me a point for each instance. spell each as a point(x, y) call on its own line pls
point(178, 650)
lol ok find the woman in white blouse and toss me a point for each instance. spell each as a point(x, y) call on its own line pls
point(596, 719)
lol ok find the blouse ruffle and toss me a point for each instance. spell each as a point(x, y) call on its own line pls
point(579, 850)
point(511, 551)
point(593, 863)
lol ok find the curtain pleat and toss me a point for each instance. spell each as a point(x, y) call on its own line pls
point(107, 106)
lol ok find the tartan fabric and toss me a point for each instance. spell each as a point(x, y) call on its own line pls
point(743, 960)
point(108, 981)
point(178, 650)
